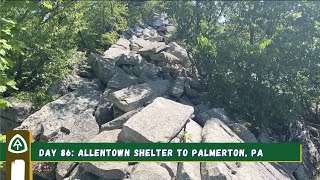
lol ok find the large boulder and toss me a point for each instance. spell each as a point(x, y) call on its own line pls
point(129, 60)
point(180, 53)
point(110, 136)
point(215, 131)
point(72, 82)
point(165, 57)
point(103, 68)
point(12, 117)
point(178, 87)
point(107, 170)
point(190, 170)
point(124, 43)
point(136, 96)
point(69, 118)
point(219, 113)
point(160, 121)
point(104, 111)
point(151, 34)
point(122, 80)
point(149, 48)
point(300, 132)
point(243, 132)
point(145, 67)
point(115, 51)
point(149, 171)
point(118, 122)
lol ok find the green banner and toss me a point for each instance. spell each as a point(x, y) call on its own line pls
point(135, 152)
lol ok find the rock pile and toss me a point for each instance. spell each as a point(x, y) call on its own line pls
point(142, 90)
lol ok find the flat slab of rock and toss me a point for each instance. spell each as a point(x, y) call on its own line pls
point(70, 116)
point(107, 136)
point(103, 68)
point(136, 96)
point(118, 122)
point(216, 131)
point(149, 171)
point(122, 80)
point(160, 121)
point(124, 43)
point(115, 52)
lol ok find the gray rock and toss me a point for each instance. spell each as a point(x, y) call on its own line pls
point(185, 100)
point(160, 121)
point(202, 118)
point(149, 48)
point(151, 34)
point(299, 132)
point(219, 113)
point(243, 132)
point(129, 60)
point(192, 132)
point(107, 170)
point(128, 69)
point(196, 101)
point(216, 131)
point(144, 67)
point(15, 114)
point(149, 171)
point(162, 64)
point(118, 122)
point(166, 57)
point(68, 118)
point(189, 170)
point(171, 167)
point(180, 53)
point(191, 93)
point(166, 76)
point(147, 76)
point(63, 168)
point(110, 136)
point(178, 87)
point(103, 68)
point(137, 28)
point(301, 173)
point(104, 111)
point(202, 107)
point(196, 84)
point(114, 52)
point(124, 43)
point(7, 124)
point(122, 80)
point(117, 112)
point(146, 45)
point(84, 176)
point(135, 96)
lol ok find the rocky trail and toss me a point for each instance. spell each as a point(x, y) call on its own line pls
point(142, 89)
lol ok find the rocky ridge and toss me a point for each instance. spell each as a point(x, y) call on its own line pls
point(113, 98)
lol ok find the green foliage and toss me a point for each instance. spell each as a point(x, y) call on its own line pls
point(260, 59)
point(38, 99)
point(7, 44)
point(186, 136)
